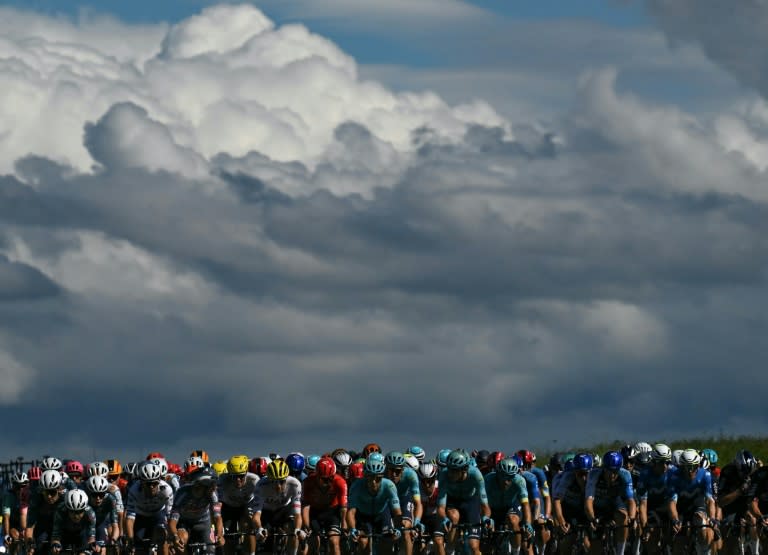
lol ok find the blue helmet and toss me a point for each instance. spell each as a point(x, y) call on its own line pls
point(710, 455)
point(508, 467)
point(373, 466)
point(457, 460)
point(583, 461)
point(518, 459)
point(375, 456)
point(442, 457)
point(395, 458)
point(568, 465)
point(613, 460)
point(417, 452)
point(311, 462)
point(295, 462)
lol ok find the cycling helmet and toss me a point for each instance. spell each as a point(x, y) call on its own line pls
point(643, 452)
point(613, 460)
point(237, 464)
point(417, 452)
point(568, 465)
point(220, 466)
point(427, 470)
point(394, 458)
point(97, 484)
point(202, 454)
point(205, 475)
point(745, 462)
point(457, 460)
point(565, 457)
point(661, 452)
point(132, 469)
point(295, 462)
point(508, 467)
point(374, 467)
point(154, 455)
point(149, 472)
point(258, 466)
point(495, 458)
point(517, 459)
point(277, 470)
point(583, 461)
point(193, 463)
point(690, 458)
point(114, 467)
point(528, 457)
point(628, 452)
point(50, 479)
point(356, 470)
point(325, 467)
point(34, 473)
point(411, 461)
point(342, 458)
point(442, 457)
point(710, 455)
point(50, 463)
point(74, 467)
point(19, 479)
point(76, 500)
point(676, 456)
point(159, 461)
point(97, 468)
point(311, 462)
point(371, 448)
point(481, 457)
point(375, 457)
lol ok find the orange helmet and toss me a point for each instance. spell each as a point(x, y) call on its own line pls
point(114, 466)
point(202, 454)
point(371, 448)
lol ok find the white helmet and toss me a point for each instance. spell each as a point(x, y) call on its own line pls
point(97, 484)
point(428, 470)
point(50, 463)
point(411, 461)
point(676, 456)
point(643, 452)
point(149, 472)
point(98, 468)
point(690, 457)
point(162, 464)
point(19, 478)
point(194, 462)
point(661, 452)
point(76, 500)
point(50, 479)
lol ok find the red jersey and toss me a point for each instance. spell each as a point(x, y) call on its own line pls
point(320, 496)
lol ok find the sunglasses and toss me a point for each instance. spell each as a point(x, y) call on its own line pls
point(279, 482)
point(396, 471)
point(374, 478)
point(99, 495)
point(152, 484)
point(76, 513)
point(238, 476)
point(429, 481)
point(51, 492)
point(327, 480)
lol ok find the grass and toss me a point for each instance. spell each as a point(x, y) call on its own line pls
point(726, 447)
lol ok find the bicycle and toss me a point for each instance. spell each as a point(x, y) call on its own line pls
point(655, 538)
point(198, 548)
point(464, 530)
point(235, 543)
point(499, 542)
point(684, 542)
point(736, 535)
point(145, 546)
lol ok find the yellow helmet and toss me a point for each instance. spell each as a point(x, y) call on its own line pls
point(238, 464)
point(277, 470)
point(220, 467)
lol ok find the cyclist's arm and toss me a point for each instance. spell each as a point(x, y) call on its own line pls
point(526, 507)
point(351, 517)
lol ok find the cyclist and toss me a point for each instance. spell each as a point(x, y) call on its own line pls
point(481, 461)
point(74, 524)
point(342, 460)
point(543, 516)
point(568, 507)
point(417, 452)
point(236, 489)
point(148, 502)
point(508, 498)
point(373, 506)
point(407, 483)
point(429, 495)
point(296, 464)
point(356, 472)
point(463, 499)
point(258, 466)
point(277, 503)
point(196, 508)
point(15, 504)
point(324, 504)
point(74, 471)
point(689, 490)
point(98, 468)
point(199, 453)
point(651, 493)
point(42, 506)
point(104, 508)
point(609, 497)
point(735, 495)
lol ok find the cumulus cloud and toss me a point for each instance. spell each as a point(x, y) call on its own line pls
point(240, 223)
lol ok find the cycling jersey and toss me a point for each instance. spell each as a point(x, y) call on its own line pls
point(609, 494)
point(508, 499)
point(266, 497)
point(759, 488)
point(731, 480)
point(319, 497)
point(114, 491)
point(15, 501)
point(691, 495)
point(361, 499)
point(140, 504)
point(472, 486)
point(65, 530)
point(106, 511)
point(192, 508)
point(652, 488)
point(40, 514)
point(531, 486)
point(569, 492)
point(429, 502)
point(230, 494)
point(541, 480)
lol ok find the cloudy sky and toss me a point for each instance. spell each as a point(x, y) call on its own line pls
point(303, 224)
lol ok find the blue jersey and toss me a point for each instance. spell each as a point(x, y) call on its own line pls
point(689, 493)
point(532, 485)
point(652, 488)
point(472, 486)
point(504, 499)
point(360, 498)
point(408, 486)
point(541, 480)
point(604, 491)
point(569, 491)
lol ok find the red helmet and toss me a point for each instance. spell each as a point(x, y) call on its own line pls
point(325, 467)
point(528, 457)
point(34, 473)
point(155, 455)
point(356, 470)
point(258, 465)
point(74, 467)
point(174, 468)
point(495, 458)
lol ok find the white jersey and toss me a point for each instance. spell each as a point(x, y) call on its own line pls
point(266, 497)
point(115, 491)
point(139, 504)
point(231, 495)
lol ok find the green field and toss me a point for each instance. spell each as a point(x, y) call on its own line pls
point(726, 447)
